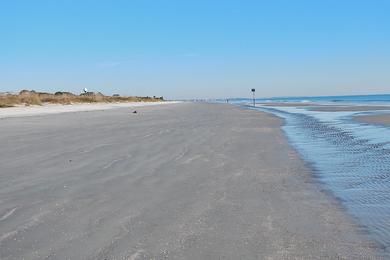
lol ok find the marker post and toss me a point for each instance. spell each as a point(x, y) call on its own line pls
point(253, 96)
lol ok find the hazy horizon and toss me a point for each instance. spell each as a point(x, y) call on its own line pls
point(196, 49)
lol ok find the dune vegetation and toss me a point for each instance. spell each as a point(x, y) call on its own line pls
point(27, 98)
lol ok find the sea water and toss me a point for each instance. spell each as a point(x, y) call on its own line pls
point(351, 159)
point(357, 99)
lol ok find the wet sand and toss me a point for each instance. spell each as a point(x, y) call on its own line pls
point(182, 181)
point(327, 108)
point(383, 119)
point(332, 108)
point(281, 104)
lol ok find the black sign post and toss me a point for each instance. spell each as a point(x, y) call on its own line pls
point(253, 96)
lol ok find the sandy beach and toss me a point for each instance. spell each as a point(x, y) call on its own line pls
point(346, 108)
point(327, 108)
point(23, 111)
point(181, 181)
point(382, 119)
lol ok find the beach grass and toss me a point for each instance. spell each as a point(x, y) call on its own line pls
point(27, 98)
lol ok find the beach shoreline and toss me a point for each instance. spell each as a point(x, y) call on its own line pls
point(380, 119)
point(188, 181)
point(327, 108)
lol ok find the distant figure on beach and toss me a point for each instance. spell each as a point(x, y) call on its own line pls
point(227, 100)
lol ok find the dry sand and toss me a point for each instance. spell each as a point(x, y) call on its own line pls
point(55, 109)
point(184, 181)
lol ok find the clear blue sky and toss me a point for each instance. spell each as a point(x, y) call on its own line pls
point(200, 48)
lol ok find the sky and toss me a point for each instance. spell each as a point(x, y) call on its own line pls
point(196, 49)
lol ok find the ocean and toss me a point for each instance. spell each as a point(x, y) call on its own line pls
point(350, 159)
point(356, 99)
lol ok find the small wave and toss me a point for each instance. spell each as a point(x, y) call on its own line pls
point(351, 159)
